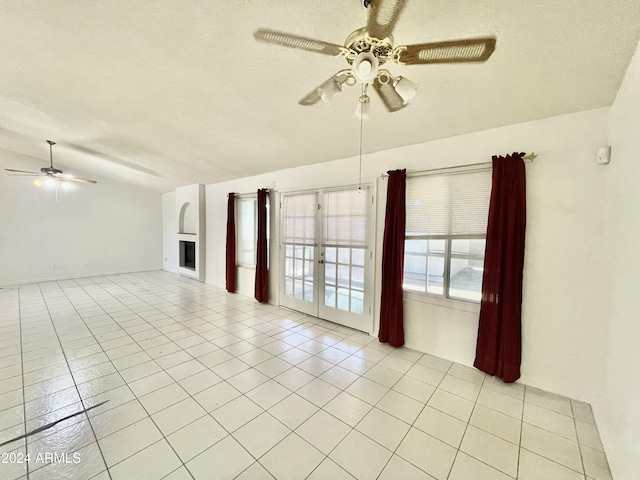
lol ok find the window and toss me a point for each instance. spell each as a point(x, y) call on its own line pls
point(247, 229)
point(445, 233)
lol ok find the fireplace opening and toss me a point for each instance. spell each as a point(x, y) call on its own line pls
point(188, 255)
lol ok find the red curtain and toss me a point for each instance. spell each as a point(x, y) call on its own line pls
point(231, 243)
point(391, 303)
point(498, 349)
point(262, 273)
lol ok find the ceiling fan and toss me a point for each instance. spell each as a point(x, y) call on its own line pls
point(368, 48)
point(51, 174)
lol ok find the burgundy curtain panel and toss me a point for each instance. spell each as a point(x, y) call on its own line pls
point(231, 243)
point(391, 306)
point(498, 349)
point(262, 272)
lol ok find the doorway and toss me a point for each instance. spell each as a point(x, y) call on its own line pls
point(327, 254)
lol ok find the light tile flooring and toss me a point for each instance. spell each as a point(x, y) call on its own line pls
point(207, 385)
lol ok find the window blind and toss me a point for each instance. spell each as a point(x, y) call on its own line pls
point(345, 217)
point(455, 203)
point(299, 213)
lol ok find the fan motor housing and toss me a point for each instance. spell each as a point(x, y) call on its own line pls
point(360, 42)
point(50, 170)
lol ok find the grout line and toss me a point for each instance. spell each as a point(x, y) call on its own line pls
point(575, 427)
point(74, 380)
point(24, 400)
point(524, 396)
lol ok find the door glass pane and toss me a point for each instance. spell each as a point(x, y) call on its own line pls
point(343, 255)
point(343, 275)
point(357, 256)
point(330, 296)
point(330, 254)
point(308, 271)
point(299, 269)
point(308, 291)
point(343, 299)
point(357, 302)
point(308, 253)
point(330, 273)
point(288, 267)
point(357, 278)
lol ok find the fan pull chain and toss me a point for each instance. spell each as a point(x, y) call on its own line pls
point(360, 166)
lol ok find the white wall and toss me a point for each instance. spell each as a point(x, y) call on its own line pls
point(169, 232)
point(564, 316)
point(618, 415)
point(110, 227)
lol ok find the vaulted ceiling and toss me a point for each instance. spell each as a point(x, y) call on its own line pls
point(174, 92)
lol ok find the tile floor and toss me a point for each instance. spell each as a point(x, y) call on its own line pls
point(206, 385)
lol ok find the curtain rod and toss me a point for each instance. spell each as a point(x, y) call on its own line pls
point(249, 193)
point(529, 158)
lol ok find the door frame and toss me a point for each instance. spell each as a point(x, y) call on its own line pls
point(339, 317)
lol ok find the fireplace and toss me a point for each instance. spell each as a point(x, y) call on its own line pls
point(188, 255)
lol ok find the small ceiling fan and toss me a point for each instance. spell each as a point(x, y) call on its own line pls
point(50, 173)
point(368, 48)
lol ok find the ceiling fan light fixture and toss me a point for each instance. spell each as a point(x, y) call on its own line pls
point(405, 88)
point(329, 90)
point(365, 67)
point(363, 110)
point(49, 182)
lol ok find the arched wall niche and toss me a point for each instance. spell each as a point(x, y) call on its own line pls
point(187, 220)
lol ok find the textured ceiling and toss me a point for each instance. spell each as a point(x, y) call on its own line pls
point(168, 93)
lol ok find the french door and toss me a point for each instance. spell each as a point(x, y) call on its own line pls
point(326, 254)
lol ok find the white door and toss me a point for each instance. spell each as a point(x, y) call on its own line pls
point(327, 255)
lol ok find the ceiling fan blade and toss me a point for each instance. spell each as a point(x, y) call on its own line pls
point(302, 43)
point(391, 99)
point(22, 171)
point(314, 96)
point(454, 51)
point(311, 98)
point(76, 179)
point(69, 178)
point(383, 17)
point(26, 175)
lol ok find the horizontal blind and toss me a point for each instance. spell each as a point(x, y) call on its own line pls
point(299, 216)
point(448, 204)
point(345, 217)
